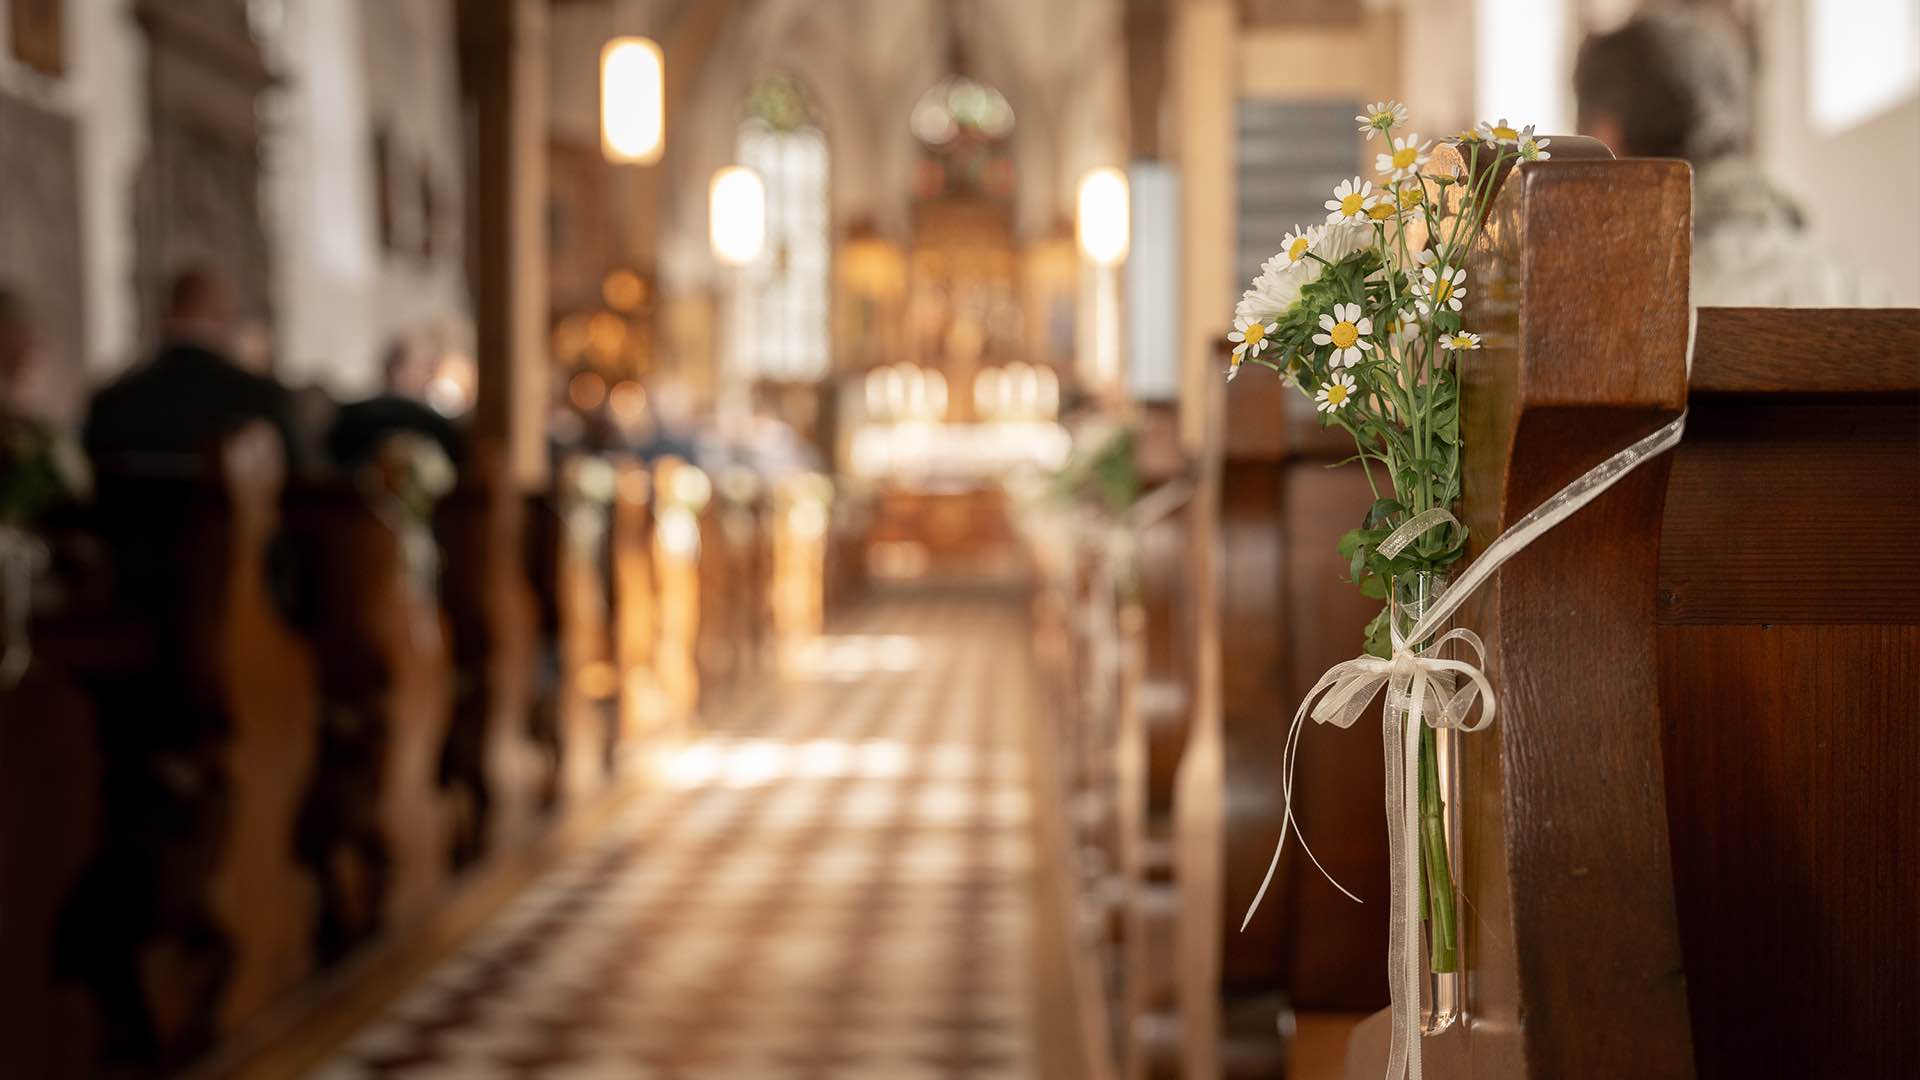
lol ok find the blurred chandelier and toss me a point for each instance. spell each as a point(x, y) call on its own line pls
point(958, 103)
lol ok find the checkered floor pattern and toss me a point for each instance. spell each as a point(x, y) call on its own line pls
point(835, 882)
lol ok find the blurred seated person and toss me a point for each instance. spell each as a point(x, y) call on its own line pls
point(19, 353)
point(668, 427)
point(400, 408)
point(193, 392)
point(1677, 81)
point(40, 467)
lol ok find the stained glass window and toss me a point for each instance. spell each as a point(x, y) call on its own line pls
point(787, 287)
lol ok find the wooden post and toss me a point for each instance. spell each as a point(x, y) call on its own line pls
point(503, 75)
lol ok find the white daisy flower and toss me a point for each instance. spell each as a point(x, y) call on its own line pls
point(1351, 201)
point(1532, 149)
point(1405, 158)
point(1461, 342)
point(1276, 290)
point(1335, 242)
point(1334, 393)
point(1444, 289)
point(1382, 116)
point(1503, 132)
point(1403, 328)
point(1249, 337)
point(1346, 330)
point(1297, 244)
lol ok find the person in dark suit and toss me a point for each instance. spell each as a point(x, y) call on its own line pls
point(358, 429)
point(192, 393)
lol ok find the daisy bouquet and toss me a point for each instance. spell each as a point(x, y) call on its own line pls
point(1362, 314)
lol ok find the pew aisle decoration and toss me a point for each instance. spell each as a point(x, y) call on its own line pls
point(39, 469)
point(1362, 315)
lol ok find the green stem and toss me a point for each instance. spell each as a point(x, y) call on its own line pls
point(1443, 933)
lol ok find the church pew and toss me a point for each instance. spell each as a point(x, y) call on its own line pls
point(800, 525)
point(493, 765)
point(643, 710)
point(195, 914)
point(1151, 738)
point(376, 827)
point(587, 682)
point(735, 574)
point(1789, 660)
point(1115, 666)
point(681, 493)
point(1285, 614)
point(1686, 851)
point(50, 774)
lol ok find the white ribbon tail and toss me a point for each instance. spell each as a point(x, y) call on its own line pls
point(1345, 680)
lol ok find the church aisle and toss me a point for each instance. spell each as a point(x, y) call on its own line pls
point(834, 882)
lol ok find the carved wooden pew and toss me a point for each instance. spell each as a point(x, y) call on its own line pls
point(636, 607)
point(681, 494)
point(1285, 614)
point(493, 765)
point(1688, 833)
point(586, 686)
point(1152, 736)
point(50, 775)
point(1789, 659)
point(376, 827)
point(195, 914)
point(735, 573)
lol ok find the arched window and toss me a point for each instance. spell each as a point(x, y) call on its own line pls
point(787, 286)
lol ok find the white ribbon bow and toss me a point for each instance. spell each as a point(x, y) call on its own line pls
point(1347, 688)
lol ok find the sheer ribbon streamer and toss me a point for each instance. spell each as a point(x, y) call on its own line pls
point(1347, 688)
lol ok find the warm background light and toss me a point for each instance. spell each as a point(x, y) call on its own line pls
point(737, 209)
point(633, 117)
point(1103, 216)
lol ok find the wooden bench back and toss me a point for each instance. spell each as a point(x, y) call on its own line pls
point(211, 749)
point(1285, 614)
point(1789, 685)
point(494, 761)
point(1684, 832)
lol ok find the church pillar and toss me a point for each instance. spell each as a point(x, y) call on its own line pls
point(1203, 87)
point(503, 77)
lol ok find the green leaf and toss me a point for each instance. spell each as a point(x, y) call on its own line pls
point(1380, 636)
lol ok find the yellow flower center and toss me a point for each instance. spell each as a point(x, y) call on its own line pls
point(1298, 249)
point(1380, 211)
point(1255, 333)
point(1442, 291)
point(1506, 133)
point(1382, 119)
point(1344, 335)
point(1336, 394)
point(1461, 341)
point(1410, 197)
point(1403, 158)
point(1351, 205)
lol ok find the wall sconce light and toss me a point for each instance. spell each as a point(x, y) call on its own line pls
point(633, 115)
point(737, 215)
point(1102, 217)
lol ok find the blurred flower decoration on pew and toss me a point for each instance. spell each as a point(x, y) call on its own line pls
point(40, 469)
point(1362, 314)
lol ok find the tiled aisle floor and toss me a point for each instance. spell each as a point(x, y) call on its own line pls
point(835, 883)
